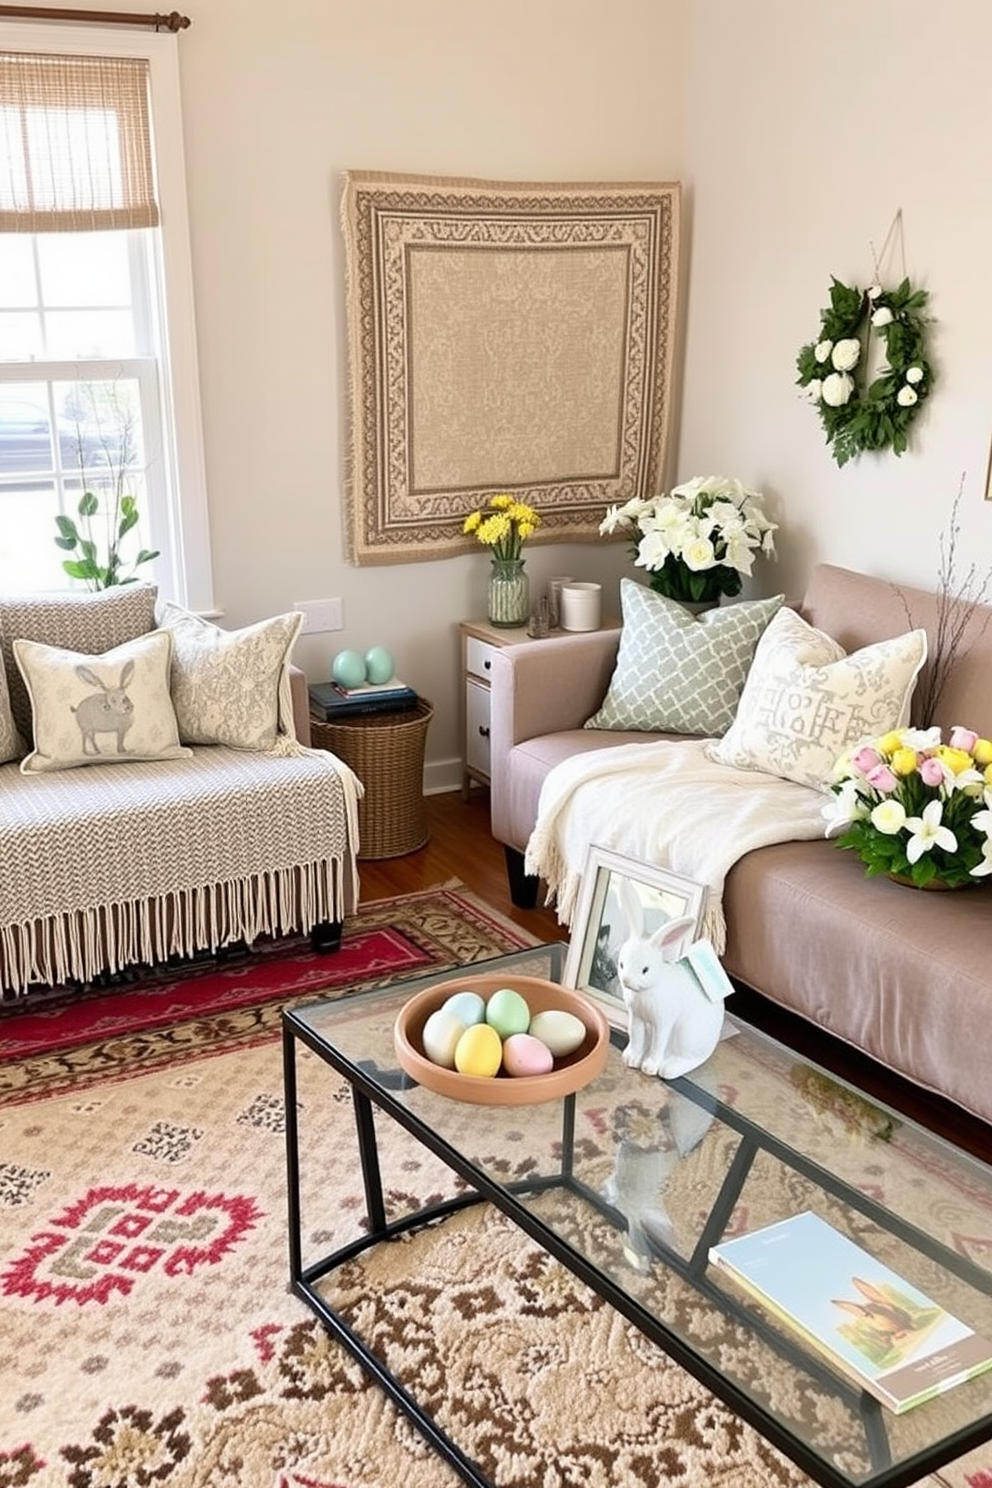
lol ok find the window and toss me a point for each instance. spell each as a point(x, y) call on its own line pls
point(98, 380)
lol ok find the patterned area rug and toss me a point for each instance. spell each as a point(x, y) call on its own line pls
point(150, 1336)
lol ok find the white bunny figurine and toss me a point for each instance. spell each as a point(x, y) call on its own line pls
point(674, 1023)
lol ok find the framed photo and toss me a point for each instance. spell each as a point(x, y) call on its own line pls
point(601, 923)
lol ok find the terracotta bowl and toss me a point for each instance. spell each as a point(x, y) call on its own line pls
point(569, 1073)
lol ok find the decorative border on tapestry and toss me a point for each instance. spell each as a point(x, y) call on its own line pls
point(504, 337)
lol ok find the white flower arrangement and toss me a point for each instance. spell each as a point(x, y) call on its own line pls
point(698, 541)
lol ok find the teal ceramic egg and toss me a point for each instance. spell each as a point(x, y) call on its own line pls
point(507, 1012)
point(348, 669)
point(378, 664)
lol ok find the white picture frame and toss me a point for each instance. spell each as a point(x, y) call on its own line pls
point(599, 926)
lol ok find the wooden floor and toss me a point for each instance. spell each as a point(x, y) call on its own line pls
point(461, 847)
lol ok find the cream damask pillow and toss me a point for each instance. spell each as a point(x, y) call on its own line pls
point(806, 702)
point(230, 686)
point(99, 710)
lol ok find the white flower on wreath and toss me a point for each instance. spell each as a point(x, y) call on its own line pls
point(881, 317)
point(822, 350)
point(914, 374)
point(906, 397)
point(813, 391)
point(846, 353)
point(837, 389)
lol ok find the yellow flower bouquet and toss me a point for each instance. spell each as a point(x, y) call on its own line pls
point(504, 526)
point(916, 808)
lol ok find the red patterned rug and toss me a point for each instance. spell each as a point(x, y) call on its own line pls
point(149, 1334)
point(407, 935)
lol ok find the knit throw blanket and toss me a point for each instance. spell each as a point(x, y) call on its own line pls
point(667, 804)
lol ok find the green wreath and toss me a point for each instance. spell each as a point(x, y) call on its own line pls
point(856, 417)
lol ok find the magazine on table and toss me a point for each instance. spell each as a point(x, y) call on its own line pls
point(876, 1327)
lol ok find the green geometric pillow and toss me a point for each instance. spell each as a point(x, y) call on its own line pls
point(678, 673)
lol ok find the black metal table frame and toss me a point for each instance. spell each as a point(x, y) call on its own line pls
point(368, 1091)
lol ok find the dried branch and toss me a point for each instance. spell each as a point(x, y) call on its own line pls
point(957, 602)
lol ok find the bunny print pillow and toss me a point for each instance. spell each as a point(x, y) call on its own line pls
point(98, 710)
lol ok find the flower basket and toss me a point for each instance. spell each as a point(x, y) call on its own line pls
point(916, 809)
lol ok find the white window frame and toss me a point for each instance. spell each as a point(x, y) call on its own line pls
point(189, 579)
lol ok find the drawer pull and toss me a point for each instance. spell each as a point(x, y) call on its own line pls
point(483, 732)
point(486, 665)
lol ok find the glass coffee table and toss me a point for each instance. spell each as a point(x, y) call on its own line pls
point(629, 1182)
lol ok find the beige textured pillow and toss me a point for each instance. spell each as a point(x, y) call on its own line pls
point(11, 746)
point(227, 684)
point(806, 701)
point(99, 710)
point(93, 623)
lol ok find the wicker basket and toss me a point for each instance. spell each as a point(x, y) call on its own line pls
point(386, 752)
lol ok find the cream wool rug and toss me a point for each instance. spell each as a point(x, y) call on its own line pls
point(150, 1337)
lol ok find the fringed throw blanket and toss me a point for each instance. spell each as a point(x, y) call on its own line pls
point(665, 804)
point(110, 865)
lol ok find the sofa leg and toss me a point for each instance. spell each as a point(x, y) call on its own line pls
point(523, 886)
point(326, 936)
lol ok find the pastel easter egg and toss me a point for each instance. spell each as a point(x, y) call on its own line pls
point(507, 1012)
point(562, 1032)
point(479, 1051)
point(523, 1054)
point(440, 1037)
point(468, 1006)
point(348, 669)
point(378, 664)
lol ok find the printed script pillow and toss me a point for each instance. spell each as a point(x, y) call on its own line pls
point(75, 622)
point(678, 673)
point(230, 686)
point(98, 710)
point(806, 701)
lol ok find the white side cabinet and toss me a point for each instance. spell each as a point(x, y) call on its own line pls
point(479, 642)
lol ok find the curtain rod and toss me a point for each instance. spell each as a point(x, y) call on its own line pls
point(172, 22)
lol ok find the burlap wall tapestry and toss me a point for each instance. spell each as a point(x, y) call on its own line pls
point(504, 337)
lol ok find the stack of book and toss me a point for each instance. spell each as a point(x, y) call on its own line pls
point(329, 700)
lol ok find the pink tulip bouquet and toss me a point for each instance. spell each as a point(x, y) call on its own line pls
point(916, 808)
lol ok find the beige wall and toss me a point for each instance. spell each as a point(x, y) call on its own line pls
point(277, 103)
point(798, 131)
point(808, 126)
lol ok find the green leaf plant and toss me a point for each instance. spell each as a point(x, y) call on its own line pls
point(96, 540)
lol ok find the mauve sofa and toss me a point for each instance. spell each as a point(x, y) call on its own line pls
point(904, 975)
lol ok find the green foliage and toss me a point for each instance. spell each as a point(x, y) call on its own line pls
point(678, 582)
point(873, 418)
point(120, 517)
point(887, 854)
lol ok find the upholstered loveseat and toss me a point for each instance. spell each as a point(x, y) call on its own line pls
point(904, 975)
point(157, 795)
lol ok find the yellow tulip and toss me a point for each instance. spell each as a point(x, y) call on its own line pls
point(983, 751)
point(890, 742)
point(956, 760)
point(903, 761)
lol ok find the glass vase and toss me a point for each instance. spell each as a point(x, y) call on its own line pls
point(509, 593)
